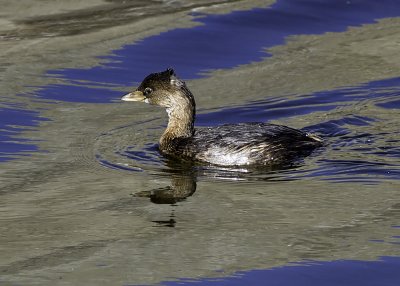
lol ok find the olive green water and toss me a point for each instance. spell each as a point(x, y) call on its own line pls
point(68, 220)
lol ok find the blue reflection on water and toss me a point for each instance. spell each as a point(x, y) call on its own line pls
point(12, 122)
point(395, 104)
point(76, 93)
point(222, 41)
point(282, 107)
point(384, 272)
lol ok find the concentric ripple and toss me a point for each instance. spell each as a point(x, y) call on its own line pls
point(130, 148)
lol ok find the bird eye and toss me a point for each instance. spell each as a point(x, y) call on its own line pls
point(147, 91)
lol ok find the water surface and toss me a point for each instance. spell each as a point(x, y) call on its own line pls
point(100, 206)
point(220, 42)
point(345, 272)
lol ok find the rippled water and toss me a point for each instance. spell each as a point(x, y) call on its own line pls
point(245, 36)
point(353, 152)
point(88, 199)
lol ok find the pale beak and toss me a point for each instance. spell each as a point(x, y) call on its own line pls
point(134, 96)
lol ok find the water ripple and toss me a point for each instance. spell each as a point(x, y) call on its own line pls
point(130, 148)
point(358, 148)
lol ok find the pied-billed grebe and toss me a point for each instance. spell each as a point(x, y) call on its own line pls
point(229, 144)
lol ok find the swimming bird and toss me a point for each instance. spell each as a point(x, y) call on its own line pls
point(255, 143)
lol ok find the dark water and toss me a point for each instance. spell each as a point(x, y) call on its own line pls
point(359, 124)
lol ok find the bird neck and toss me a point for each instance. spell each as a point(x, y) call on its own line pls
point(181, 118)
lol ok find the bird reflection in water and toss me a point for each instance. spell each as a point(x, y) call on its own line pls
point(183, 185)
point(184, 175)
